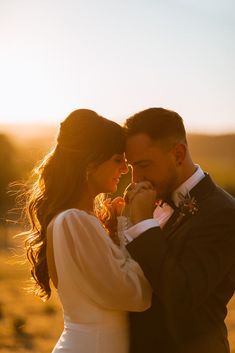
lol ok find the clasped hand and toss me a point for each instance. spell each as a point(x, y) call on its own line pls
point(140, 201)
point(138, 204)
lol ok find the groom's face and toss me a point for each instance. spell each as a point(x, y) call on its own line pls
point(153, 161)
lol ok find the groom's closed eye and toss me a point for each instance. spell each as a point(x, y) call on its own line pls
point(142, 164)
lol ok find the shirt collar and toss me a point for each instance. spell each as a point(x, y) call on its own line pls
point(184, 188)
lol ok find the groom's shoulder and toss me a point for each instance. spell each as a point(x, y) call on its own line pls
point(225, 199)
point(217, 202)
point(219, 207)
point(217, 212)
point(212, 195)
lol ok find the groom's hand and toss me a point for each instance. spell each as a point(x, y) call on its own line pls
point(140, 201)
point(133, 188)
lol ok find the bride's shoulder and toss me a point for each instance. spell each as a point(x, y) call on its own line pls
point(75, 221)
point(74, 215)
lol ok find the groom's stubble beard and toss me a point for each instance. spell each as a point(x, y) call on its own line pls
point(165, 189)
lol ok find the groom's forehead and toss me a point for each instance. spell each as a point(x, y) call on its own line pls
point(137, 146)
point(138, 141)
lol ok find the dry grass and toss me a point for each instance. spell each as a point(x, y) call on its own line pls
point(230, 320)
point(28, 324)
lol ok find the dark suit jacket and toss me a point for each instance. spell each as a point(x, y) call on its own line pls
point(192, 273)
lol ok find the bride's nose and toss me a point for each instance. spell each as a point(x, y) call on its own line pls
point(124, 168)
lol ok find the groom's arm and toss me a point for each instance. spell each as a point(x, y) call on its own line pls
point(184, 279)
point(148, 247)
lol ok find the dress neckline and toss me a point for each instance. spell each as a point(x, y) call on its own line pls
point(81, 210)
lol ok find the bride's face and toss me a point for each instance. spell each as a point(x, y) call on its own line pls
point(105, 177)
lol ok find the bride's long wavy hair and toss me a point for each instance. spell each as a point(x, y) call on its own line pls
point(57, 183)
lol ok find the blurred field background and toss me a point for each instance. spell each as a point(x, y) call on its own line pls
point(26, 323)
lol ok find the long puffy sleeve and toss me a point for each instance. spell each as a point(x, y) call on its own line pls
point(106, 274)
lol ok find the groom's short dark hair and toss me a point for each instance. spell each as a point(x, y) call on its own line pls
point(157, 123)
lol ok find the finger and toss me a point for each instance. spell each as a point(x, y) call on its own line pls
point(118, 200)
point(118, 204)
point(128, 189)
point(143, 196)
point(119, 209)
point(107, 201)
point(134, 187)
point(145, 185)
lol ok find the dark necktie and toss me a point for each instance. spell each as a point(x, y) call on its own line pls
point(171, 203)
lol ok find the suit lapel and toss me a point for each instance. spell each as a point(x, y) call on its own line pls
point(170, 223)
point(176, 223)
point(200, 192)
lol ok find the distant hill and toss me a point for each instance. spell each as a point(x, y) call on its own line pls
point(26, 133)
point(219, 147)
point(215, 153)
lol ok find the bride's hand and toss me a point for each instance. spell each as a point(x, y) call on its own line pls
point(109, 218)
point(115, 206)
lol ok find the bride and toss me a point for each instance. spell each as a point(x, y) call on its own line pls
point(71, 245)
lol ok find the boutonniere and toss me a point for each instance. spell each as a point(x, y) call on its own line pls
point(187, 207)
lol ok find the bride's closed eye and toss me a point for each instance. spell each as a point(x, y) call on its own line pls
point(119, 159)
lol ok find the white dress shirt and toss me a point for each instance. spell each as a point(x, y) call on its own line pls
point(162, 213)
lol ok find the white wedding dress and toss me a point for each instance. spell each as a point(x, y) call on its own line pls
point(98, 283)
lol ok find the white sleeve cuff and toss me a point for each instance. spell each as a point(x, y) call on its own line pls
point(139, 228)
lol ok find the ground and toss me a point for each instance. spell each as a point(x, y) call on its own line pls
point(27, 323)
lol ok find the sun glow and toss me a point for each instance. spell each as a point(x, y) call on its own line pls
point(60, 56)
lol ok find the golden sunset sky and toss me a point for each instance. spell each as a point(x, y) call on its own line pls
point(118, 57)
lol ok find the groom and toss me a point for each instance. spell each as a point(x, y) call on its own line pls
point(187, 250)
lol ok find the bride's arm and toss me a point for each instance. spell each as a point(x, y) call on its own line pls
point(106, 274)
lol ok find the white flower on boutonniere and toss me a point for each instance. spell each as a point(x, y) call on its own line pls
point(187, 206)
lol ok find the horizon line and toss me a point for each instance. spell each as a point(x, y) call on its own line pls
point(192, 131)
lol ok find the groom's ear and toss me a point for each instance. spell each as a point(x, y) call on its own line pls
point(180, 150)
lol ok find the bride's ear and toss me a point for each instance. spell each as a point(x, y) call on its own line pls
point(180, 151)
